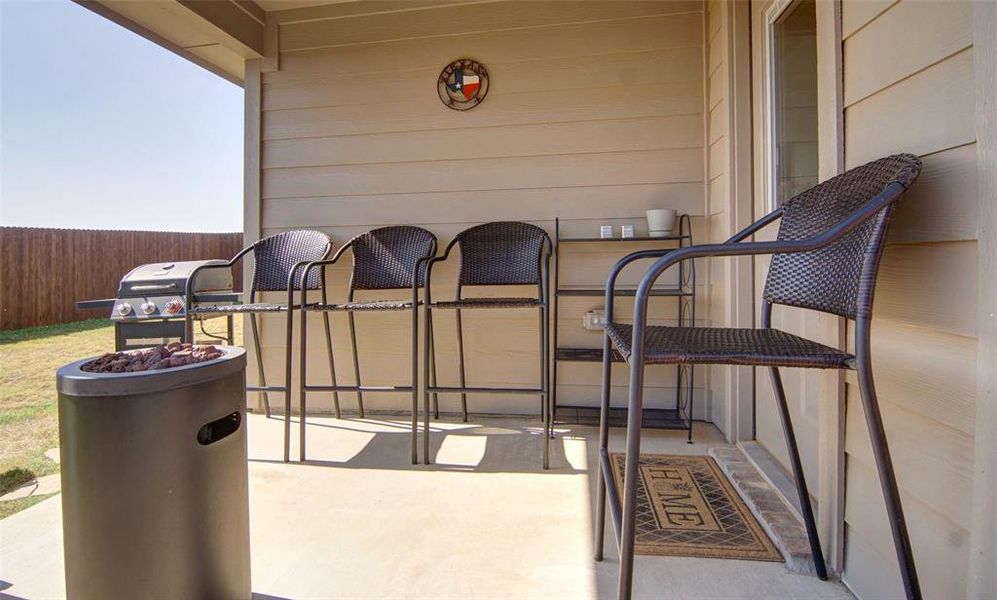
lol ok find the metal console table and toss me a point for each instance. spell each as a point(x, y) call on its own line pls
point(679, 417)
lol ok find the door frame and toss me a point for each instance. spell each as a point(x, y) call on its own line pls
point(830, 110)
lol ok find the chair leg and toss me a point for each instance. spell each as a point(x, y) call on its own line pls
point(600, 494)
point(432, 365)
point(635, 412)
point(427, 340)
point(545, 411)
point(689, 398)
point(888, 481)
point(356, 364)
point(540, 355)
point(332, 363)
point(460, 365)
point(259, 361)
point(287, 385)
point(302, 378)
point(801, 482)
point(415, 381)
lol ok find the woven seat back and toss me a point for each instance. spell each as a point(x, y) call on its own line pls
point(501, 253)
point(840, 278)
point(385, 258)
point(276, 255)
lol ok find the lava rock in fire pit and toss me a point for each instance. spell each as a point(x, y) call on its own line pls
point(171, 355)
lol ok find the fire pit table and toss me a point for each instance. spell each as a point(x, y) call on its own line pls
point(154, 474)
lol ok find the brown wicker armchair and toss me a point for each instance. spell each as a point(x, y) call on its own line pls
point(826, 258)
point(387, 258)
point(277, 262)
point(495, 254)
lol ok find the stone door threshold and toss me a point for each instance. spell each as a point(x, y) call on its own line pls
point(779, 520)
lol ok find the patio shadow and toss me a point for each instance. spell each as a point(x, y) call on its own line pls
point(513, 446)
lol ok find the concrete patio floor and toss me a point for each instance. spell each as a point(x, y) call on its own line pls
point(485, 521)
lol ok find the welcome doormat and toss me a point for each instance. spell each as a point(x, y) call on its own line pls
point(686, 507)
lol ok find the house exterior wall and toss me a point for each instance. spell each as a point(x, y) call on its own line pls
point(717, 189)
point(594, 114)
point(908, 71)
point(600, 111)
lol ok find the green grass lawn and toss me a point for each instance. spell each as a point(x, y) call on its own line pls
point(29, 423)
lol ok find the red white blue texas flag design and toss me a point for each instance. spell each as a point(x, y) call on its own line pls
point(466, 84)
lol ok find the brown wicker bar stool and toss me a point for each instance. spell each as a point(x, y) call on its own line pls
point(278, 260)
point(826, 258)
point(503, 253)
point(389, 258)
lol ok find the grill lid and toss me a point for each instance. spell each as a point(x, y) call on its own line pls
point(168, 278)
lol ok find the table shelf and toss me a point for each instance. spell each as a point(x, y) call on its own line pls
point(679, 417)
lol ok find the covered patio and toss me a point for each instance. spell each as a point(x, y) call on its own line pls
point(484, 521)
point(597, 112)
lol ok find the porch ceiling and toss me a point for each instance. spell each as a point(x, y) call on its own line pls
point(219, 36)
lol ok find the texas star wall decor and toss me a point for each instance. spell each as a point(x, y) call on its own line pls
point(463, 84)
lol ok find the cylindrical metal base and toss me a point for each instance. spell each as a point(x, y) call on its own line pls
point(155, 483)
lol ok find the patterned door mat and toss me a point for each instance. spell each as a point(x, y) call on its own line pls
point(692, 510)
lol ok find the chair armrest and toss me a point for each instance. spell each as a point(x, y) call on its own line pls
point(754, 227)
point(415, 274)
point(429, 272)
point(306, 268)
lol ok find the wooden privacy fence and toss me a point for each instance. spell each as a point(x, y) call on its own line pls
point(43, 272)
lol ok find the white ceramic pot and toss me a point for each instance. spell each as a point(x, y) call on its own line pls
point(661, 221)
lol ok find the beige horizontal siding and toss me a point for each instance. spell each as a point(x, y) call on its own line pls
point(533, 139)
point(594, 114)
point(463, 20)
point(909, 87)
point(585, 39)
point(912, 36)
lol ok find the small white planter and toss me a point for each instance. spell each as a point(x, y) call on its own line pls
point(661, 221)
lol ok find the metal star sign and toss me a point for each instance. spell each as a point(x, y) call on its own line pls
point(463, 84)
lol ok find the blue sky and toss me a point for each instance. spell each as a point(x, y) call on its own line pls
point(102, 129)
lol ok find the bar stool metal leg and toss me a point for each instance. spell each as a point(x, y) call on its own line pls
point(460, 366)
point(287, 383)
point(427, 336)
point(356, 361)
point(415, 380)
point(332, 362)
point(801, 483)
point(544, 408)
point(600, 494)
point(259, 361)
point(432, 366)
point(634, 419)
point(884, 464)
point(302, 374)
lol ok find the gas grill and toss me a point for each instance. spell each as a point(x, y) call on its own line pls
point(151, 309)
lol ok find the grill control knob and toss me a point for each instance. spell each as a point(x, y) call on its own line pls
point(148, 307)
point(173, 307)
point(124, 309)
